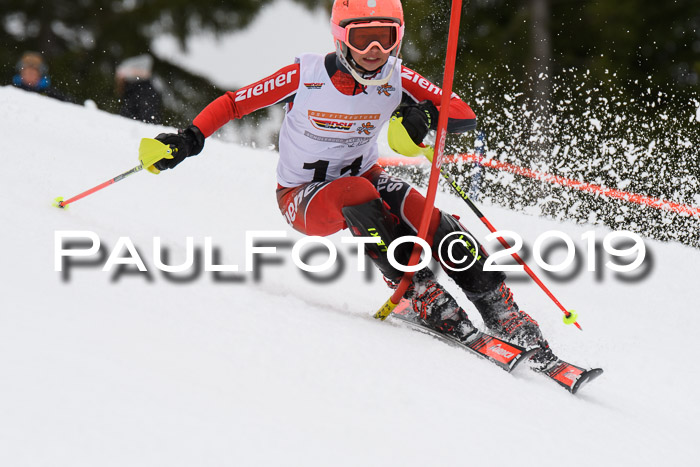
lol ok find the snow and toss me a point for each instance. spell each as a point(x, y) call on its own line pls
point(136, 369)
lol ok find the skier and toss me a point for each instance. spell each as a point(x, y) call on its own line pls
point(328, 177)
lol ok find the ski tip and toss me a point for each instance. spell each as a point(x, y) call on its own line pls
point(585, 378)
point(58, 202)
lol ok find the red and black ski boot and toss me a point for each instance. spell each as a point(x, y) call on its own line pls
point(503, 316)
point(437, 308)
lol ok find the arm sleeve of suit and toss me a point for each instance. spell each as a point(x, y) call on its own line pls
point(278, 87)
point(416, 89)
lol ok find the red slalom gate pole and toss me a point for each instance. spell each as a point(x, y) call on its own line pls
point(447, 80)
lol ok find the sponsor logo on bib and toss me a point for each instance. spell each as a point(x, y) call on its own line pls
point(343, 123)
point(314, 85)
point(385, 89)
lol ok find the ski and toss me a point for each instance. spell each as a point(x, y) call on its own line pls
point(504, 354)
point(569, 376)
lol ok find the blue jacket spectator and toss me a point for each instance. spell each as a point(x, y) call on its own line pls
point(32, 75)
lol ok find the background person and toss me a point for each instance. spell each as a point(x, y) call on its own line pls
point(32, 75)
point(139, 98)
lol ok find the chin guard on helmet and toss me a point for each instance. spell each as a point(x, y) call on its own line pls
point(353, 68)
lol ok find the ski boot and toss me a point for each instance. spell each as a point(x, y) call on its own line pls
point(503, 316)
point(436, 307)
point(544, 360)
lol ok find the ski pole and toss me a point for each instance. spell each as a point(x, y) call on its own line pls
point(569, 315)
point(401, 142)
point(150, 152)
point(448, 76)
point(60, 203)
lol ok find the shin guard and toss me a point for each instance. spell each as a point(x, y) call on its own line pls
point(373, 219)
point(474, 281)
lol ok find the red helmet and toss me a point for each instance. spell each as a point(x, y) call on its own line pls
point(345, 11)
point(350, 11)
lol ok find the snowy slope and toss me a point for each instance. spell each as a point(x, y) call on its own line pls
point(139, 370)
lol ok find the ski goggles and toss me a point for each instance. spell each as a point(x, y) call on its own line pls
point(361, 37)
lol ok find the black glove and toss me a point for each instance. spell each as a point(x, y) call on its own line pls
point(418, 119)
point(186, 143)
